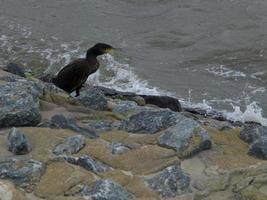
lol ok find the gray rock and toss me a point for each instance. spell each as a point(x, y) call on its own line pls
point(117, 148)
point(171, 182)
point(17, 142)
point(70, 145)
point(251, 132)
point(88, 163)
point(106, 190)
point(22, 173)
point(186, 137)
point(259, 148)
point(151, 121)
point(62, 122)
point(19, 104)
point(103, 125)
point(126, 106)
point(93, 98)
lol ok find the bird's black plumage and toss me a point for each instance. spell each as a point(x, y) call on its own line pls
point(73, 76)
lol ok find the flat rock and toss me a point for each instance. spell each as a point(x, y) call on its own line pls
point(186, 137)
point(19, 104)
point(70, 145)
point(171, 182)
point(151, 121)
point(17, 142)
point(21, 173)
point(106, 189)
point(93, 98)
point(259, 148)
point(252, 131)
point(88, 163)
point(103, 125)
point(62, 122)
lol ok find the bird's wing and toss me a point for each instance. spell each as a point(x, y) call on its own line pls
point(71, 76)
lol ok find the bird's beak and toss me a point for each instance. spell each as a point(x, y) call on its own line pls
point(110, 50)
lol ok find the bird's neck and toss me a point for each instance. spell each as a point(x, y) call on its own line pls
point(90, 54)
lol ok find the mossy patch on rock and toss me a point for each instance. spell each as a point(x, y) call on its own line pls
point(229, 151)
point(43, 140)
point(60, 177)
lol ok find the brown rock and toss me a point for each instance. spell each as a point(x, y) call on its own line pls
point(9, 192)
point(61, 177)
point(145, 160)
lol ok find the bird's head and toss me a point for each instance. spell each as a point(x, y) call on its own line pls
point(100, 49)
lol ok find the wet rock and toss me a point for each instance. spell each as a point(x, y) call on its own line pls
point(160, 101)
point(88, 163)
point(252, 131)
point(117, 148)
point(259, 148)
point(17, 142)
point(22, 173)
point(15, 69)
point(19, 104)
point(151, 121)
point(62, 122)
point(163, 102)
point(171, 182)
point(106, 190)
point(186, 137)
point(114, 93)
point(207, 113)
point(70, 145)
point(93, 98)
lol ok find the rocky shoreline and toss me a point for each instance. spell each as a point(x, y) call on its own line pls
point(112, 145)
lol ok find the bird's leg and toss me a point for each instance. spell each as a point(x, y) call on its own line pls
point(78, 90)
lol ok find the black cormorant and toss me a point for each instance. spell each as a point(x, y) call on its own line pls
point(73, 76)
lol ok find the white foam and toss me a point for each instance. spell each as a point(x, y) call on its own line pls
point(120, 76)
point(225, 72)
point(252, 113)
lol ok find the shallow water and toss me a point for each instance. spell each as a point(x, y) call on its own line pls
point(208, 53)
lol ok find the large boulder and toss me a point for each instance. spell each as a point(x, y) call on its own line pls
point(93, 98)
point(151, 121)
point(17, 142)
point(106, 189)
point(186, 137)
point(171, 182)
point(19, 104)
